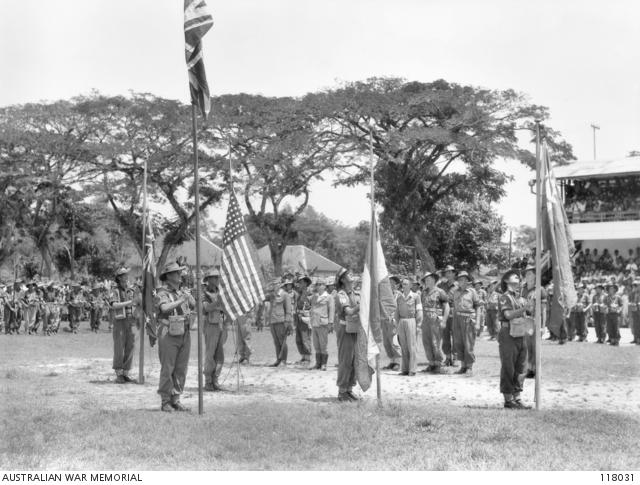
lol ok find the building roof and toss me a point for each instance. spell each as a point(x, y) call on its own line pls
point(300, 257)
point(210, 253)
point(598, 168)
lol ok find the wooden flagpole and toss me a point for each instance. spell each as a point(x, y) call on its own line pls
point(378, 376)
point(143, 315)
point(196, 176)
point(237, 323)
point(538, 287)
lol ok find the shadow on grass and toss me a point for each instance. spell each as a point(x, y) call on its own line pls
point(323, 399)
point(101, 382)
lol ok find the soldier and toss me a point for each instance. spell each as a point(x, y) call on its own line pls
point(465, 322)
point(513, 352)
point(174, 307)
point(349, 315)
point(390, 330)
point(435, 307)
point(45, 308)
point(302, 320)
point(215, 331)
point(322, 316)
point(281, 320)
point(598, 308)
point(409, 316)
point(56, 302)
point(578, 314)
point(482, 296)
point(96, 302)
point(528, 293)
point(121, 306)
point(76, 302)
point(448, 284)
point(634, 312)
point(31, 305)
point(613, 304)
point(493, 324)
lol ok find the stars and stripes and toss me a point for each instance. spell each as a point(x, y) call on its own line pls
point(197, 22)
point(241, 285)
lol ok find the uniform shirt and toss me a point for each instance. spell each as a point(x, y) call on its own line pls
point(322, 309)
point(212, 307)
point(434, 299)
point(613, 304)
point(169, 295)
point(348, 301)
point(634, 300)
point(408, 306)
point(529, 294)
point(465, 301)
point(509, 301)
point(482, 297)
point(281, 307)
point(597, 303)
point(581, 304)
point(119, 295)
point(492, 300)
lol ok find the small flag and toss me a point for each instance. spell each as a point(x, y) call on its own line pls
point(557, 239)
point(197, 22)
point(241, 285)
point(149, 279)
point(376, 303)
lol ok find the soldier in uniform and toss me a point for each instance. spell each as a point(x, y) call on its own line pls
point(409, 317)
point(281, 320)
point(482, 297)
point(613, 304)
point(435, 307)
point(493, 324)
point(578, 313)
point(302, 320)
point(121, 307)
point(390, 330)
point(96, 302)
point(634, 311)
point(215, 331)
point(465, 322)
point(349, 315)
point(322, 316)
point(76, 302)
point(528, 293)
point(513, 351)
point(448, 284)
point(598, 308)
point(56, 302)
point(31, 306)
point(174, 306)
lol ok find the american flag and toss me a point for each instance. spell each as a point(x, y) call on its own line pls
point(149, 277)
point(197, 22)
point(241, 285)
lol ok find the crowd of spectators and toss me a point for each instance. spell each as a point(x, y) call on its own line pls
point(589, 263)
point(615, 195)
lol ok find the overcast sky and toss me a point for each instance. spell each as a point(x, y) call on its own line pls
point(579, 58)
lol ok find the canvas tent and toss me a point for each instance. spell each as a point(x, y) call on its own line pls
point(300, 258)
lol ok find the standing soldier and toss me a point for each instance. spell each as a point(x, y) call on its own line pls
point(45, 308)
point(493, 324)
point(390, 330)
point(173, 309)
point(409, 317)
point(31, 304)
point(346, 333)
point(281, 320)
point(465, 322)
point(322, 316)
point(599, 308)
point(613, 304)
point(528, 293)
point(634, 311)
point(76, 302)
point(96, 302)
point(121, 307)
point(448, 284)
point(215, 332)
point(578, 313)
point(303, 320)
point(435, 307)
point(57, 300)
point(482, 297)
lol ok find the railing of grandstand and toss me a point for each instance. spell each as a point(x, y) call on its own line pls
point(577, 218)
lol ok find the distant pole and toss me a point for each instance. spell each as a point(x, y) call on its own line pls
point(196, 176)
point(378, 377)
point(595, 127)
point(144, 251)
point(538, 287)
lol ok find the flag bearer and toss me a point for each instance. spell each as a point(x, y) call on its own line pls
point(322, 315)
point(349, 323)
point(435, 307)
point(466, 321)
point(528, 293)
point(215, 333)
point(613, 304)
point(121, 306)
point(174, 307)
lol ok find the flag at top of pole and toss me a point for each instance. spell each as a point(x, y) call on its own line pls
point(197, 22)
point(241, 285)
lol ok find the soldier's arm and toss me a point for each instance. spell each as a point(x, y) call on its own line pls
point(332, 309)
point(419, 314)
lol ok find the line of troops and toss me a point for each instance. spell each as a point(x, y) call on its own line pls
point(30, 307)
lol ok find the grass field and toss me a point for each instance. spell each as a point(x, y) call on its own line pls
point(61, 410)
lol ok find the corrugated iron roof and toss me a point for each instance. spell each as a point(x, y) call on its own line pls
point(598, 168)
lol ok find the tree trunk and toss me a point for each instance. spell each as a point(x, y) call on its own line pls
point(277, 251)
point(47, 260)
point(428, 263)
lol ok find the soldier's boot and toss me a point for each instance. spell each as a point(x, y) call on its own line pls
point(166, 407)
point(209, 386)
point(216, 385)
point(318, 361)
point(325, 358)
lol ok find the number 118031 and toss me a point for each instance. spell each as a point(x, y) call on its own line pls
point(616, 477)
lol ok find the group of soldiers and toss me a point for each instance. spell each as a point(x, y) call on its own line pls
point(33, 306)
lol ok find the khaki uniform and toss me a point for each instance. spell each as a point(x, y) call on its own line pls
point(76, 303)
point(124, 331)
point(530, 340)
point(513, 352)
point(215, 336)
point(578, 322)
point(634, 312)
point(465, 305)
point(408, 310)
point(302, 305)
point(613, 306)
point(482, 309)
point(434, 302)
point(346, 334)
point(492, 322)
point(389, 331)
point(281, 323)
point(598, 309)
point(321, 315)
point(173, 350)
point(448, 334)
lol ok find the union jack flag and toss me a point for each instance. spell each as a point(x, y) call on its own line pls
point(197, 22)
point(149, 277)
point(241, 285)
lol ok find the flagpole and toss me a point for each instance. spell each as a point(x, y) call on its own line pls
point(378, 377)
point(196, 176)
point(144, 250)
point(237, 323)
point(538, 287)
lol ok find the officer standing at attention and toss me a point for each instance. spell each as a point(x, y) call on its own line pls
point(613, 304)
point(347, 331)
point(303, 320)
point(598, 308)
point(448, 284)
point(121, 308)
point(492, 322)
point(528, 293)
point(466, 321)
point(215, 331)
point(482, 296)
point(513, 352)
point(408, 316)
point(578, 313)
point(322, 316)
point(390, 330)
point(174, 339)
point(435, 307)
point(281, 321)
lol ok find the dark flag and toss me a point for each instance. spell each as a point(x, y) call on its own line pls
point(241, 285)
point(197, 22)
point(149, 280)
